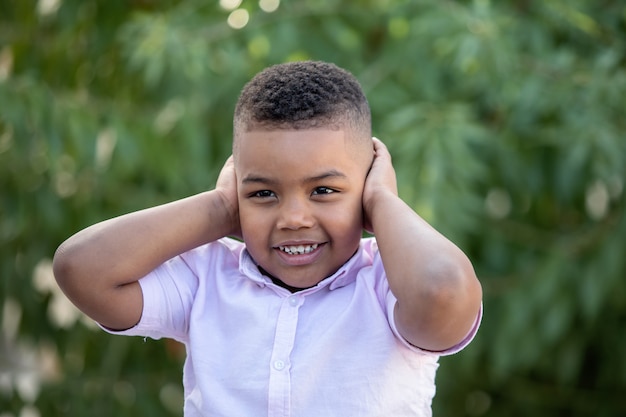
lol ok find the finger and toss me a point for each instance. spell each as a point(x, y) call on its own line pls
point(380, 149)
point(378, 144)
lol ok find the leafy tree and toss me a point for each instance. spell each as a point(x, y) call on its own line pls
point(505, 120)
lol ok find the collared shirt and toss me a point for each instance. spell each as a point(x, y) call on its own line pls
point(255, 349)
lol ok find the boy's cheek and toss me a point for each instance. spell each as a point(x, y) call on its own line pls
point(247, 219)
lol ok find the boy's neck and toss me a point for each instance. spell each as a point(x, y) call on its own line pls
point(280, 283)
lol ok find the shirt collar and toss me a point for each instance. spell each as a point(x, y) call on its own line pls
point(345, 275)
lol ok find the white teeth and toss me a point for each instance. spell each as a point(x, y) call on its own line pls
point(298, 250)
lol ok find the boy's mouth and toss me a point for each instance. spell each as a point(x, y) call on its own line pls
point(298, 249)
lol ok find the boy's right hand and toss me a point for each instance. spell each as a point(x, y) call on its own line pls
point(227, 187)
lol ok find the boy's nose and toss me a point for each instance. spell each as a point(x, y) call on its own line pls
point(295, 214)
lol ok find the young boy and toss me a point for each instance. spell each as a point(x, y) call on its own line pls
point(304, 317)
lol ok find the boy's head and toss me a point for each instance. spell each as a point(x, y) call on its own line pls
point(303, 95)
point(302, 149)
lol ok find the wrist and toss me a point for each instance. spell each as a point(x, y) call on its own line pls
point(375, 199)
point(228, 213)
point(374, 206)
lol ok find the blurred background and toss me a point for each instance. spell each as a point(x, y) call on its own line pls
point(506, 120)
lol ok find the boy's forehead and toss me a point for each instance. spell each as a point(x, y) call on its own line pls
point(247, 137)
point(327, 146)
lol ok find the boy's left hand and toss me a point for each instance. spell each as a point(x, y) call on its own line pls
point(380, 182)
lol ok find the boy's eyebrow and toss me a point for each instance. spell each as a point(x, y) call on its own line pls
point(327, 174)
point(254, 178)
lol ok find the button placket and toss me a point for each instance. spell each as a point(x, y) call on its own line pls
point(279, 401)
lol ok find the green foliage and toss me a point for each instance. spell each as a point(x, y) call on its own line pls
point(505, 120)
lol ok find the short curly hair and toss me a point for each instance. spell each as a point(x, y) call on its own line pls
point(303, 95)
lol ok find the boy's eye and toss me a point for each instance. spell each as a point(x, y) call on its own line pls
point(263, 194)
point(323, 190)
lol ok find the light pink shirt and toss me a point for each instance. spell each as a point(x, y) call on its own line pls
point(255, 349)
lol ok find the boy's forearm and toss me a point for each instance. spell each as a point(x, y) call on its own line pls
point(123, 249)
point(435, 284)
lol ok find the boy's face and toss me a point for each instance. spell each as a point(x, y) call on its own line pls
point(300, 200)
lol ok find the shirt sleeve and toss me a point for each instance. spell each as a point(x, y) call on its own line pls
point(391, 302)
point(168, 294)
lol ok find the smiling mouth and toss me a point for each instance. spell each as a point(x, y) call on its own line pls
point(298, 249)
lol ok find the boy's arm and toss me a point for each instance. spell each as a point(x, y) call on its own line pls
point(98, 267)
point(434, 282)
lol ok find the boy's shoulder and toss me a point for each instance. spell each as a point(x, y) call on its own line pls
point(224, 251)
point(223, 245)
point(369, 244)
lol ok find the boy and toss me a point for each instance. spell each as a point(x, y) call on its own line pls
point(304, 317)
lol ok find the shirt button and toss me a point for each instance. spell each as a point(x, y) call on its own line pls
point(279, 365)
point(293, 301)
